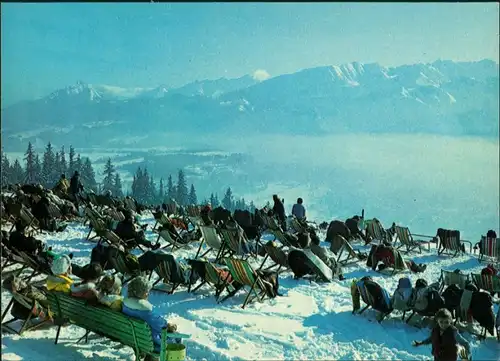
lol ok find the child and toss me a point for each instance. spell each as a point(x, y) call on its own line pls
point(60, 281)
point(136, 305)
point(110, 289)
point(87, 288)
point(444, 339)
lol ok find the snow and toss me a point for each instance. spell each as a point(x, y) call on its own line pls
point(311, 320)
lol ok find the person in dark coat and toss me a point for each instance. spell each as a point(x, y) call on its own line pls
point(75, 187)
point(279, 211)
point(126, 230)
point(335, 228)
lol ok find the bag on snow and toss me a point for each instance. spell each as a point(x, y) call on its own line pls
point(401, 299)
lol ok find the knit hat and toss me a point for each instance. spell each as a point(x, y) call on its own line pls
point(138, 287)
point(60, 265)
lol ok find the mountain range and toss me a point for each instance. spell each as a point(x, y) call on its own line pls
point(444, 97)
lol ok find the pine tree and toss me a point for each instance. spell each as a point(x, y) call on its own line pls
point(109, 177)
point(71, 164)
point(161, 192)
point(63, 167)
point(78, 164)
point(17, 173)
point(182, 190)
point(192, 199)
point(138, 186)
point(216, 201)
point(56, 172)
point(212, 200)
point(227, 201)
point(6, 172)
point(251, 207)
point(48, 166)
point(88, 175)
point(118, 191)
point(30, 176)
point(152, 194)
point(170, 189)
point(37, 169)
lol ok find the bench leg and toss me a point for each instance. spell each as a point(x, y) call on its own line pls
point(86, 337)
point(57, 334)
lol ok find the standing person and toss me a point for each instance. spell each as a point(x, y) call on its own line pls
point(75, 187)
point(62, 186)
point(279, 211)
point(447, 343)
point(298, 210)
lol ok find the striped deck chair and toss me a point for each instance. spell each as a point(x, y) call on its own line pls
point(55, 211)
point(489, 248)
point(214, 276)
point(277, 255)
point(171, 208)
point(297, 226)
point(242, 272)
point(406, 240)
point(370, 301)
point(450, 243)
point(338, 246)
point(119, 263)
point(114, 214)
point(489, 283)
point(98, 226)
point(160, 220)
point(194, 215)
point(212, 240)
point(37, 312)
point(235, 243)
point(375, 230)
point(449, 278)
point(171, 273)
point(172, 241)
point(29, 219)
point(280, 236)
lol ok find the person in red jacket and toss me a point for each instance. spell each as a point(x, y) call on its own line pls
point(447, 343)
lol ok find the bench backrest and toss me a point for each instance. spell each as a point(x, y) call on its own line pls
point(103, 321)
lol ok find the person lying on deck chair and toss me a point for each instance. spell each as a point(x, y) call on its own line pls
point(136, 305)
point(127, 230)
point(385, 253)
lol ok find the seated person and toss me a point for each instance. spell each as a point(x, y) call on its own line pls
point(127, 231)
point(16, 285)
point(60, 281)
point(110, 289)
point(87, 289)
point(136, 305)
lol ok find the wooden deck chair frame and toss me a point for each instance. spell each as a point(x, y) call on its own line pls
point(29, 304)
point(26, 216)
point(162, 276)
point(171, 242)
point(368, 300)
point(163, 219)
point(55, 211)
point(232, 244)
point(297, 226)
point(375, 230)
point(406, 240)
point(352, 257)
point(279, 235)
point(213, 278)
point(98, 226)
point(449, 278)
point(242, 272)
point(120, 266)
point(211, 238)
point(448, 245)
point(492, 247)
point(489, 283)
point(277, 255)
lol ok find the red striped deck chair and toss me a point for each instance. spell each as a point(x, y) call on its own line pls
point(489, 283)
point(489, 248)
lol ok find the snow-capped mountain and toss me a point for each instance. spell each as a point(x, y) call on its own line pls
point(444, 97)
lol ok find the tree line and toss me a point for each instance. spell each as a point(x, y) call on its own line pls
point(48, 170)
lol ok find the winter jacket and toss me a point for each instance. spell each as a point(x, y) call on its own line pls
point(62, 186)
point(279, 210)
point(114, 302)
point(59, 283)
point(299, 211)
point(444, 346)
point(84, 290)
point(143, 309)
point(75, 185)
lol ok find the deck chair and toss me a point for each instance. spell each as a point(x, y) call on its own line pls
point(489, 248)
point(489, 283)
point(171, 273)
point(172, 241)
point(234, 242)
point(406, 240)
point(280, 236)
point(36, 311)
point(300, 257)
point(98, 226)
point(371, 301)
point(375, 230)
point(450, 243)
point(54, 211)
point(120, 265)
point(242, 272)
point(449, 278)
point(160, 219)
point(171, 208)
point(212, 240)
point(297, 226)
point(114, 214)
point(339, 246)
point(213, 275)
point(129, 204)
point(277, 255)
point(29, 219)
point(194, 215)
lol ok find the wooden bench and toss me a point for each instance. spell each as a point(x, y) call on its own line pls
point(108, 323)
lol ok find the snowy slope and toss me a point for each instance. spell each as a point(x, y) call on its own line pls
point(311, 321)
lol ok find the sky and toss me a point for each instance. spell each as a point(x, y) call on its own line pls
point(45, 47)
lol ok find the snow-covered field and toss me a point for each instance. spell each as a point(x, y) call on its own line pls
point(311, 321)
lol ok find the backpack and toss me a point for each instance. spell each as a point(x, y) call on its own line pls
point(427, 300)
point(401, 299)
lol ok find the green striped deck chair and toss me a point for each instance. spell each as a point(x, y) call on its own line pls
point(233, 243)
point(215, 276)
point(171, 273)
point(406, 240)
point(340, 246)
point(277, 255)
point(489, 283)
point(242, 272)
point(489, 248)
point(449, 278)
